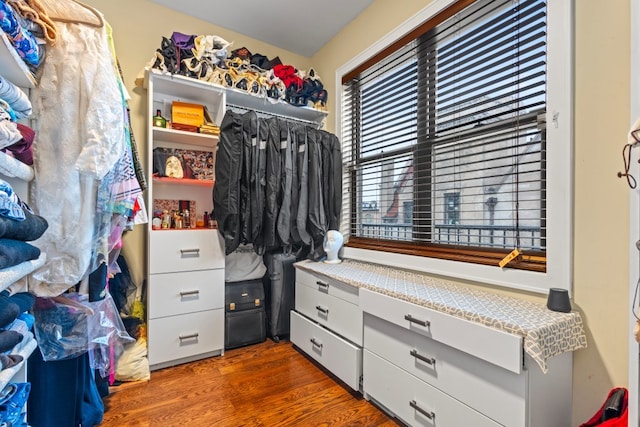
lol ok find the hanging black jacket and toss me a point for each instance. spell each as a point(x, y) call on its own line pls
point(331, 179)
point(295, 187)
point(302, 213)
point(273, 195)
point(249, 130)
point(226, 191)
point(284, 213)
point(317, 220)
point(258, 205)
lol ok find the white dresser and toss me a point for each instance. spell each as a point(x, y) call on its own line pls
point(327, 325)
point(439, 354)
point(186, 297)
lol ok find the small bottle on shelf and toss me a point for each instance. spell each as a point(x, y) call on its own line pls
point(159, 121)
point(166, 220)
point(200, 220)
point(207, 219)
point(186, 218)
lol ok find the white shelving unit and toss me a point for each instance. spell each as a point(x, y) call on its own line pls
point(18, 174)
point(186, 267)
point(185, 312)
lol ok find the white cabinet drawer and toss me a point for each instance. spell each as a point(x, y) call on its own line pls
point(336, 314)
point(339, 356)
point(398, 391)
point(327, 286)
point(495, 346)
point(184, 250)
point(491, 390)
point(179, 293)
point(177, 337)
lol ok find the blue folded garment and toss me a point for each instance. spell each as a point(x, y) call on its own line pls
point(32, 228)
point(16, 98)
point(14, 252)
point(10, 203)
point(23, 41)
point(12, 400)
point(9, 339)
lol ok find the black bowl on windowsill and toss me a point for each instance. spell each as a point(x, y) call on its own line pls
point(558, 300)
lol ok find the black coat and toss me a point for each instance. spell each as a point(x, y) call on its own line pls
point(278, 184)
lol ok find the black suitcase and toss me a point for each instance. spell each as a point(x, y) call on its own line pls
point(280, 284)
point(245, 319)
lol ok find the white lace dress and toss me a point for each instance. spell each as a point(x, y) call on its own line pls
point(80, 134)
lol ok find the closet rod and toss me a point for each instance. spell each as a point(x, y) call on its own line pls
point(313, 123)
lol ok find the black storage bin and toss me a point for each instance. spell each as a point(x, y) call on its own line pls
point(244, 328)
point(245, 318)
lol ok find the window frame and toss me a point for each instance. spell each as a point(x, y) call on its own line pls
point(559, 167)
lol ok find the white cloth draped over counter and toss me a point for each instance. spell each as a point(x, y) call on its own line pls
point(546, 333)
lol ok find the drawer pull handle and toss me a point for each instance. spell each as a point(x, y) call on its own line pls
point(322, 309)
point(431, 415)
point(323, 286)
point(188, 337)
point(316, 343)
point(412, 319)
point(187, 293)
point(190, 251)
point(429, 360)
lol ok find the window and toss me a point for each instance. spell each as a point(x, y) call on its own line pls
point(452, 208)
point(445, 132)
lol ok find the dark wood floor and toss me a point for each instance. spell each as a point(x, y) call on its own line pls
point(268, 384)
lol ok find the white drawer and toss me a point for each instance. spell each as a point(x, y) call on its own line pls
point(178, 337)
point(495, 346)
point(184, 250)
point(398, 390)
point(491, 390)
point(328, 286)
point(340, 316)
point(340, 357)
point(179, 293)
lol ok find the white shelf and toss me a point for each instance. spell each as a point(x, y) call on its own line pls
point(12, 67)
point(184, 137)
point(194, 88)
point(10, 275)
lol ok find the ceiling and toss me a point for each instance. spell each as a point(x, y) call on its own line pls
point(299, 26)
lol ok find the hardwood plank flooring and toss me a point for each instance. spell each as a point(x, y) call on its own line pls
point(267, 384)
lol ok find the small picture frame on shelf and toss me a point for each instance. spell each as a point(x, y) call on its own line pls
point(170, 205)
point(193, 164)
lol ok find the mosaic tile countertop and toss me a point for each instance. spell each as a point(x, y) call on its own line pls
point(546, 333)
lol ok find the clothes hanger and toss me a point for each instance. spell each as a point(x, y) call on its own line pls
point(65, 11)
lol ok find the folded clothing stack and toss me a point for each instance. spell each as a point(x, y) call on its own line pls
point(16, 138)
point(15, 323)
point(12, 400)
point(22, 39)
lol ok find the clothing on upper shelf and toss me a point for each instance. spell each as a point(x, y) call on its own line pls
point(22, 39)
point(16, 98)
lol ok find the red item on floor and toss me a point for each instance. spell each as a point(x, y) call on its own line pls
point(614, 412)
